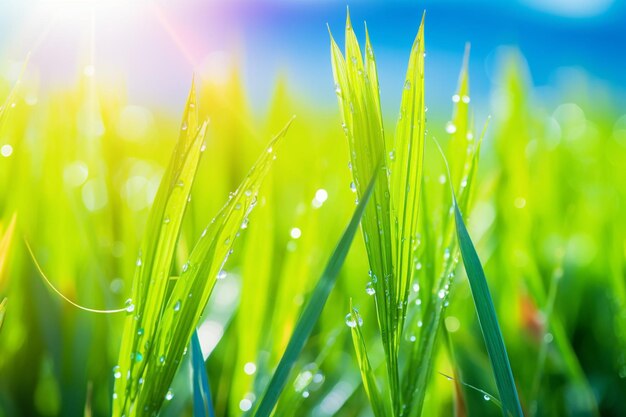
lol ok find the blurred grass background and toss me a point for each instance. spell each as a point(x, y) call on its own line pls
point(85, 139)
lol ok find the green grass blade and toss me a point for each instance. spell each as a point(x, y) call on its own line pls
point(488, 321)
point(438, 279)
point(202, 403)
point(380, 404)
point(407, 160)
point(3, 309)
point(155, 260)
point(192, 289)
point(359, 104)
point(313, 309)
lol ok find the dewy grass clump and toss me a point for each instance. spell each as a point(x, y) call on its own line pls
point(397, 247)
point(163, 312)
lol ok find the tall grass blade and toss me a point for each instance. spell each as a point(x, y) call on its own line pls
point(187, 300)
point(154, 263)
point(162, 313)
point(313, 308)
point(202, 403)
point(438, 278)
point(488, 321)
point(380, 404)
point(390, 223)
point(3, 308)
point(5, 247)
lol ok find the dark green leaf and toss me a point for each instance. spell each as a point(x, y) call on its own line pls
point(313, 309)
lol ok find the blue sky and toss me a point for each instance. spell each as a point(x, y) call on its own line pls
point(568, 45)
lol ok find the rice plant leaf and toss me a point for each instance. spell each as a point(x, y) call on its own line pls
point(3, 308)
point(488, 321)
point(155, 260)
point(379, 403)
point(202, 403)
point(439, 280)
point(5, 246)
point(359, 104)
point(185, 304)
point(313, 309)
point(407, 160)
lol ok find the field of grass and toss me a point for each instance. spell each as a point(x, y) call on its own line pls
point(354, 261)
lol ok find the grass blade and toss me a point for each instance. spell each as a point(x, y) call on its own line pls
point(192, 289)
point(202, 403)
point(3, 309)
point(488, 321)
point(379, 405)
point(155, 260)
point(5, 247)
point(313, 309)
point(438, 277)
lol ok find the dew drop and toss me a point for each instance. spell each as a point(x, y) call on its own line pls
point(441, 294)
point(353, 319)
point(177, 306)
point(450, 127)
point(166, 220)
point(369, 288)
point(465, 99)
point(117, 374)
point(6, 150)
point(130, 307)
point(486, 397)
point(295, 233)
point(222, 274)
point(249, 368)
point(407, 85)
point(169, 395)
point(353, 187)
point(185, 266)
point(244, 223)
point(321, 195)
point(245, 404)
point(456, 98)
